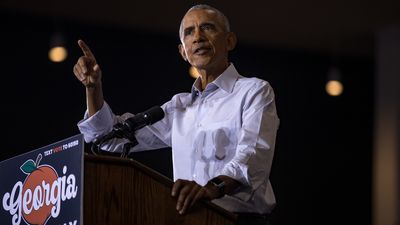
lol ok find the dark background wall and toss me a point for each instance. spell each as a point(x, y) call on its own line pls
point(322, 167)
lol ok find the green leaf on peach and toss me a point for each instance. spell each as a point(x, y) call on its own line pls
point(28, 167)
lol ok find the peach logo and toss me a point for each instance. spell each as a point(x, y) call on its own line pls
point(39, 197)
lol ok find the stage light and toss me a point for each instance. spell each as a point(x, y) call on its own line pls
point(57, 52)
point(193, 72)
point(334, 86)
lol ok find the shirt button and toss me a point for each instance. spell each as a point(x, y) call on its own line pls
point(199, 125)
point(194, 176)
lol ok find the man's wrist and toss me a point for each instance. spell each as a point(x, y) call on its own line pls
point(219, 184)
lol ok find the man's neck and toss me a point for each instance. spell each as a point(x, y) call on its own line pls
point(208, 76)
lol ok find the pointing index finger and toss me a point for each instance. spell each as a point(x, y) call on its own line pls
point(85, 49)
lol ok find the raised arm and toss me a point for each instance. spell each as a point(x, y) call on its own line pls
point(88, 72)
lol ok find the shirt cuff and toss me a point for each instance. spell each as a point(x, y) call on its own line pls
point(97, 125)
point(239, 173)
point(245, 191)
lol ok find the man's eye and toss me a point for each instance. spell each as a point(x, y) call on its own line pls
point(188, 32)
point(206, 27)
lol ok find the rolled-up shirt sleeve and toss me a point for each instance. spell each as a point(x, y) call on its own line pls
point(102, 122)
point(97, 125)
point(252, 162)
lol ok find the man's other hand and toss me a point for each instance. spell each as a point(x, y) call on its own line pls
point(189, 192)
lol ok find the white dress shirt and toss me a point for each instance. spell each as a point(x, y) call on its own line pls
point(227, 129)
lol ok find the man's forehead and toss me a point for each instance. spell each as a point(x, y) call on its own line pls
point(200, 15)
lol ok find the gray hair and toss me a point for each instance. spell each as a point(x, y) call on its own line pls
point(224, 19)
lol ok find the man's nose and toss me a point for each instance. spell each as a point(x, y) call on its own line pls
point(198, 35)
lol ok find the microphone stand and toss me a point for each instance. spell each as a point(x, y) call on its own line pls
point(117, 132)
point(125, 149)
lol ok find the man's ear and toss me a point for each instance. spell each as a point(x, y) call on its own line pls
point(182, 51)
point(231, 41)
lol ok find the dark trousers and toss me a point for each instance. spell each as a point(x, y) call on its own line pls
point(252, 219)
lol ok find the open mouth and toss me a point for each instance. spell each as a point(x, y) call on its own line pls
point(202, 50)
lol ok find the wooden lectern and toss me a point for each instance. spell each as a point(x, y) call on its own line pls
point(125, 192)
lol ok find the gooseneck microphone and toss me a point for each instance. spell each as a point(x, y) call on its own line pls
point(127, 128)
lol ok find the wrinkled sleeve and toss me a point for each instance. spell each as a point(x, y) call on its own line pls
point(97, 125)
point(252, 162)
point(102, 122)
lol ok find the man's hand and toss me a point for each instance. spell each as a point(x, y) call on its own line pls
point(86, 69)
point(189, 192)
point(88, 72)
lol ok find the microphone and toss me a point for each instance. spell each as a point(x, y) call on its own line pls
point(127, 128)
point(148, 117)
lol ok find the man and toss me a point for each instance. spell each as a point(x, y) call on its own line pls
point(222, 134)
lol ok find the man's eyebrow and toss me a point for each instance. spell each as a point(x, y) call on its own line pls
point(190, 28)
point(208, 23)
point(202, 24)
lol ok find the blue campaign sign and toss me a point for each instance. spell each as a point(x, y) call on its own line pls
point(44, 186)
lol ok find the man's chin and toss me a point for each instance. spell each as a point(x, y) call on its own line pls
point(203, 61)
point(201, 65)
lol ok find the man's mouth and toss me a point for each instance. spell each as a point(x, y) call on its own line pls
point(202, 50)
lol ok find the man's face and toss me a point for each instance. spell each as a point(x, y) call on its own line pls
point(205, 42)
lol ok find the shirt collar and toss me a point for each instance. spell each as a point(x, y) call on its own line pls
point(226, 81)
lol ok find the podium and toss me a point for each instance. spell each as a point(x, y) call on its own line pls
point(123, 191)
point(60, 184)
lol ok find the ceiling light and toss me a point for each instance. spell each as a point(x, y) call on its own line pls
point(334, 86)
point(58, 51)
